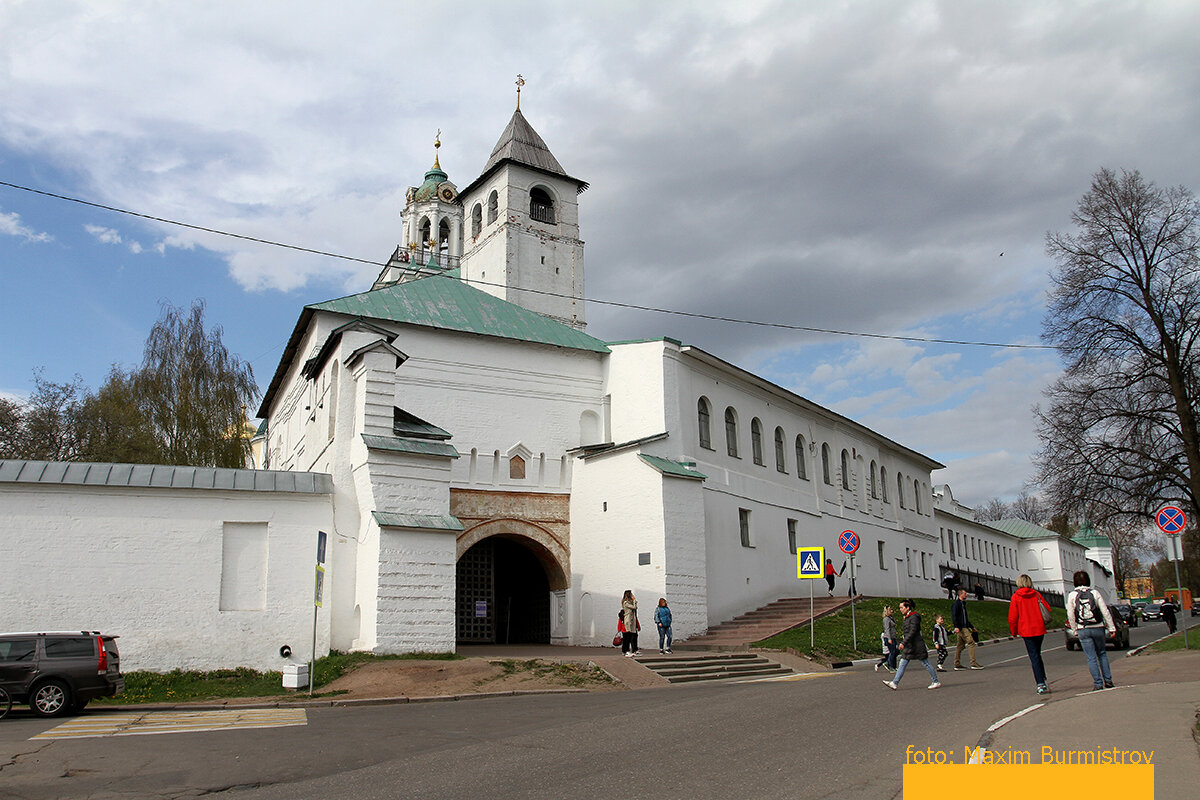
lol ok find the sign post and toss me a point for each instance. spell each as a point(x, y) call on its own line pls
point(848, 542)
point(810, 564)
point(318, 596)
point(1171, 520)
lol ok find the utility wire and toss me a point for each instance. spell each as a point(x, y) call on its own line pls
point(613, 303)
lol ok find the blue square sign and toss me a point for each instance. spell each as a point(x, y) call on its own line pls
point(810, 562)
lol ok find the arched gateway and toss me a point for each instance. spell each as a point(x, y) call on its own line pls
point(506, 571)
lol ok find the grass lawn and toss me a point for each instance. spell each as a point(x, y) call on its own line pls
point(1175, 641)
point(179, 686)
point(834, 641)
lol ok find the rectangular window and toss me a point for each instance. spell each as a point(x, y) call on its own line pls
point(908, 561)
point(244, 566)
point(882, 562)
point(744, 525)
point(791, 523)
point(78, 647)
point(942, 537)
point(950, 540)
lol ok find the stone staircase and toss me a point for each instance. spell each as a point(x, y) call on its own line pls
point(688, 669)
point(773, 618)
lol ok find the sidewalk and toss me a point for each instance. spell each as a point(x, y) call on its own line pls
point(1154, 707)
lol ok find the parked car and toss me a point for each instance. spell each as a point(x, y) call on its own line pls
point(1152, 611)
point(1128, 614)
point(1119, 642)
point(1195, 608)
point(58, 673)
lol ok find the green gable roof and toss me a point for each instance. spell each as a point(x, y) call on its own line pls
point(1020, 528)
point(443, 301)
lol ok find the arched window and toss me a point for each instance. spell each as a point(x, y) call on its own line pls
point(825, 465)
point(731, 432)
point(846, 470)
point(801, 459)
point(443, 238)
point(917, 496)
point(493, 206)
point(780, 458)
point(426, 233)
point(874, 479)
point(756, 440)
point(900, 489)
point(476, 220)
point(541, 207)
point(883, 484)
point(703, 416)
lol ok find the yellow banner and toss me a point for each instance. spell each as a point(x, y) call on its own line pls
point(1008, 781)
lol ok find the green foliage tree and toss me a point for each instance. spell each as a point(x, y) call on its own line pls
point(185, 405)
point(1119, 429)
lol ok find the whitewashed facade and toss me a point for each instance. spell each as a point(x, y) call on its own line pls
point(496, 474)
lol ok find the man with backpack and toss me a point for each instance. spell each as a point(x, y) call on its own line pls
point(1090, 620)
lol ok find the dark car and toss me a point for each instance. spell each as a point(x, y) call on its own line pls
point(1152, 611)
point(1128, 614)
point(1195, 608)
point(60, 672)
point(1119, 642)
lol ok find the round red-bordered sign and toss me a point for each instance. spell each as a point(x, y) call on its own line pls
point(1171, 520)
point(848, 541)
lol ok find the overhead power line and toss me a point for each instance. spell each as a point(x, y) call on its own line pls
point(613, 303)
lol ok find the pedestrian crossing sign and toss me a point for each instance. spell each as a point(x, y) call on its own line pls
point(810, 562)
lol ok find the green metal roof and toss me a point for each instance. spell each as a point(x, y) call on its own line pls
point(443, 301)
point(1088, 536)
point(1021, 529)
point(421, 447)
point(428, 522)
point(675, 469)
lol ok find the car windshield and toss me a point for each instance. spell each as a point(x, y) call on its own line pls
point(1153, 607)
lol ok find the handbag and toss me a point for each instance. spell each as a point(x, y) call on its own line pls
point(974, 636)
point(1045, 611)
point(617, 640)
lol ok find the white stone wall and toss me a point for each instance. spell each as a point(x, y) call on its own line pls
point(616, 513)
point(415, 592)
point(968, 545)
point(147, 565)
point(636, 385)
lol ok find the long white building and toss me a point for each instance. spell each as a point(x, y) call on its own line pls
point(486, 471)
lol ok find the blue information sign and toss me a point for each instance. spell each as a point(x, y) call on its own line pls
point(810, 562)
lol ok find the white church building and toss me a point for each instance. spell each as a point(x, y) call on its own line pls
point(485, 471)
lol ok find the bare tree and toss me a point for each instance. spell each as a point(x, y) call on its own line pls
point(992, 510)
point(1119, 429)
point(1128, 537)
point(1029, 508)
point(44, 427)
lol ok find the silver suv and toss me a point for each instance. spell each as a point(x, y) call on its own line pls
point(59, 672)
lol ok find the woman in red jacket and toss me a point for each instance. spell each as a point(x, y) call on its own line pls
point(1028, 613)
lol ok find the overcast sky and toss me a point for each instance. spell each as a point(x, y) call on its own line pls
point(881, 167)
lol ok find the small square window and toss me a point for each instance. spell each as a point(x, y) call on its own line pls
point(643, 559)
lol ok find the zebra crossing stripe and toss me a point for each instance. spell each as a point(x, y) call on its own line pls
point(134, 724)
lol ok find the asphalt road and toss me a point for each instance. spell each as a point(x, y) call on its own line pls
point(838, 736)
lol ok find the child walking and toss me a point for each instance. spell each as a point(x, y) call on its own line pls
point(888, 637)
point(940, 641)
point(662, 618)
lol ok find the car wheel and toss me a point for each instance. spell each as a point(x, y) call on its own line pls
point(1070, 645)
point(50, 699)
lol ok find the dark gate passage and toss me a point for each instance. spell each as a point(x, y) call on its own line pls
point(502, 594)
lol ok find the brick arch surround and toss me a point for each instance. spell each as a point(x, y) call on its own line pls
point(543, 544)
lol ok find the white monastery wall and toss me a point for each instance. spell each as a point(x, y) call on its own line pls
point(616, 513)
point(189, 579)
point(968, 545)
point(636, 387)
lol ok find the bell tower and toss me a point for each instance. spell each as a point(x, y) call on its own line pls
point(432, 228)
point(520, 222)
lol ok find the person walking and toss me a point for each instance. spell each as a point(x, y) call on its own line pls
point(1169, 609)
point(629, 646)
point(662, 618)
point(830, 574)
point(964, 630)
point(1090, 620)
point(912, 646)
point(888, 637)
point(1028, 613)
point(941, 641)
point(979, 591)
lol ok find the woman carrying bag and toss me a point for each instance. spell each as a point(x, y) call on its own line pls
point(1028, 613)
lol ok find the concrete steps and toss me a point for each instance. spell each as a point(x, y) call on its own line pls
point(689, 669)
point(776, 617)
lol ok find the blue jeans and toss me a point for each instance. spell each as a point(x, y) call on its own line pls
point(904, 665)
point(1092, 642)
point(890, 658)
point(664, 634)
point(1033, 646)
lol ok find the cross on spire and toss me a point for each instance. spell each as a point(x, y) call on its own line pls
point(520, 83)
point(437, 143)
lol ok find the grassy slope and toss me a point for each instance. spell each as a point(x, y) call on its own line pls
point(834, 641)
